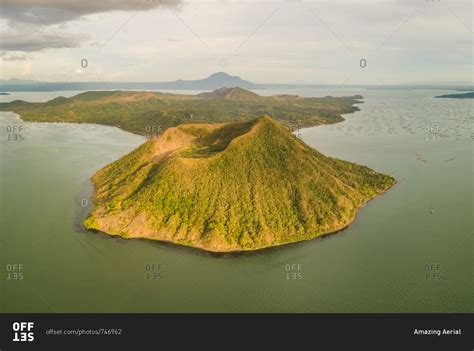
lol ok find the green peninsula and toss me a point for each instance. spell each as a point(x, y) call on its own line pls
point(149, 113)
point(469, 95)
point(230, 187)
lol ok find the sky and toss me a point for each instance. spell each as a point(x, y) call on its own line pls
point(312, 42)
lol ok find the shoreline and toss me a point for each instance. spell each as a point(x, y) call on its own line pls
point(236, 253)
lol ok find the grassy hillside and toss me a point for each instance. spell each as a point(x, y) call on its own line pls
point(235, 94)
point(142, 112)
point(230, 187)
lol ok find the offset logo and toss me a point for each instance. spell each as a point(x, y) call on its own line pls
point(23, 331)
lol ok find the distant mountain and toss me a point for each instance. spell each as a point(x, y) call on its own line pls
point(437, 83)
point(458, 96)
point(15, 81)
point(214, 81)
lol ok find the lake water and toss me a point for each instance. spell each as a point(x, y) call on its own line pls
point(410, 250)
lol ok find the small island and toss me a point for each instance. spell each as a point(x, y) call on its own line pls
point(230, 187)
point(3, 93)
point(469, 95)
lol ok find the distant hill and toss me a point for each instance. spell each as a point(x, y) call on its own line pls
point(15, 81)
point(469, 95)
point(214, 81)
point(442, 83)
point(230, 187)
point(234, 94)
point(142, 111)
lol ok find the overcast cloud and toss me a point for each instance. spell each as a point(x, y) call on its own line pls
point(36, 41)
point(44, 12)
point(263, 41)
point(31, 24)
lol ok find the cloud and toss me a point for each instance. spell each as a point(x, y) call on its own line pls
point(303, 42)
point(46, 12)
point(35, 25)
point(39, 40)
point(5, 56)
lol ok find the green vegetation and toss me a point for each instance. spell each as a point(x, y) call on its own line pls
point(230, 187)
point(469, 95)
point(143, 112)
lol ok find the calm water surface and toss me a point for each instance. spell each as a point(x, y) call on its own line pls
point(409, 250)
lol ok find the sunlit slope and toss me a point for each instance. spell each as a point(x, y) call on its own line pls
point(229, 187)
